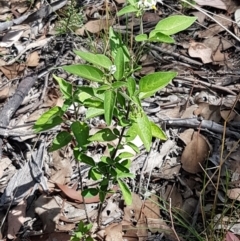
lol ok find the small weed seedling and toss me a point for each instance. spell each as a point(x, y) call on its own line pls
point(117, 98)
point(82, 233)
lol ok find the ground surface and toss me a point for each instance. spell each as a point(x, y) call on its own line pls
point(190, 181)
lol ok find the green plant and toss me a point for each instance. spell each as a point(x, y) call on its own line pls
point(117, 97)
point(70, 19)
point(82, 233)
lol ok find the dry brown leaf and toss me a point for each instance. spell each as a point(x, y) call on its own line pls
point(13, 71)
point(186, 136)
point(142, 229)
point(159, 225)
point(234, 193)
point(188, 113)
point(33, 59)
point(199, 50)
point(133, 210)
point(49, 211)
point(215, 28)
point(151, 208)
point(213, 3)
point(4, 93)
point(215, 43)
point(228, 115)
point(195, 153)
point(94, 26)
point(16, 218)
point(208, 112)
point(151, 17)
point(130, 233)
point(114, 232)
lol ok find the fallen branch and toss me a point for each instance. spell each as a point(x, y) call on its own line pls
point(203, 124)
point(13, 104)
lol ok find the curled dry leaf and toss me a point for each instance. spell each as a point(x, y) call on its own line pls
point(94, 26)
point(208, 112)
point(195, 153)
point(13, 71)
point(228, 115)
point(199, 50)
point(33, 59)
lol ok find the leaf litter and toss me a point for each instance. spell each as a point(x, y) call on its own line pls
point(195, 109)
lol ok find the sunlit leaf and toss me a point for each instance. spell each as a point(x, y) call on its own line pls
point(97, 59)
point(85, 71)
point(109, 104)
point(174, 24)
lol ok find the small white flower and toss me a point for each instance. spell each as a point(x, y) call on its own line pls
point(148, 4)
point(112, 69)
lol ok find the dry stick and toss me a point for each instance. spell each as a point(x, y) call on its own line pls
point(183, 58)
point(222, 160)
point(204, 12)
point(13, 104)
point(206, 84)
point(170, 212)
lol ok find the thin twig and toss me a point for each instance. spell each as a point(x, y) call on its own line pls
point(171, 218)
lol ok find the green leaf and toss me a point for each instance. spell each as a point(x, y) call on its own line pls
point(61, 140)
point(125, 155)
point(81, 133)
point(93, 112)
point(125, 175)
point(109, 104)
point(125, 191)
point(90, 192)
point(132, 2)
point(65, 87)
point(102, 196)
point(158, 132)
point(141, 37)
point(131, 133)
point(133, 146)
point(86, 92)
point(174, 24)
point(97, 59)
point(119, 84)
point(121, 100)
point(150, 84)
point(119, 63)
point(120, 168)
point(87, 160)
point(160, 37)
point(103, 135)
point(127, 9)
point(143, 129)
point(131, 86)
point(85, 71)
point(94, 174)
point(93, 103)
point(49, 119)
point(116, 43)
